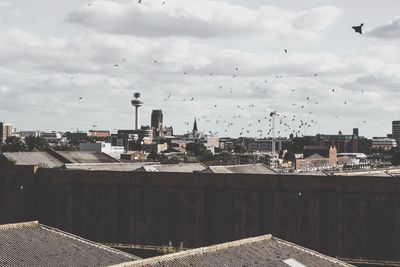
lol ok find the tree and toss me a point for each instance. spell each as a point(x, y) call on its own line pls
point(65, 147)
point(13, 144)
point(36, 143)
point(198, 149)
point(240, 149)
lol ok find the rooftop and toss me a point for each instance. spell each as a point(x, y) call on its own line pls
point(251, 252)
point(33, 244)
point(43, 159)
point(181, 167)
point(122, 167)
point(245, 168)
point(85, 157)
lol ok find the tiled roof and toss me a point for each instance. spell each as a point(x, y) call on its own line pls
point(43, 159)
point(33, 244)
point(260, 251)
point(246, 168)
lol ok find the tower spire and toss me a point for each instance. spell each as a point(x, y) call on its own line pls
point(195, 126)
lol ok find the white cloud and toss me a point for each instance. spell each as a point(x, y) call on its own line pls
point(204, 19)
point(46, 72)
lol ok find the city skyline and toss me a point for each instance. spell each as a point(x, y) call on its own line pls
point(221, 54)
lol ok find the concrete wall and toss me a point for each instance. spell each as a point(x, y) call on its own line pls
point(340, 216)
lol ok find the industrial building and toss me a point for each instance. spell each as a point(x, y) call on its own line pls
point(330, 214)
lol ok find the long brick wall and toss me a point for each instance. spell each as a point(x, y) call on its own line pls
point(340, 216)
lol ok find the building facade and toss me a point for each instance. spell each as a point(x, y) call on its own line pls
point(396, 130)
point(157, 120)
point(348, 217)
point(6, 131)
point(383, 143)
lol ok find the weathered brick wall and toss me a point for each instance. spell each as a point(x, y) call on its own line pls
point(340, 216)
point(17, 194)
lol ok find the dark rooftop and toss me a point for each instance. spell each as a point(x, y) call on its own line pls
point(33, 244)
point(86, 157)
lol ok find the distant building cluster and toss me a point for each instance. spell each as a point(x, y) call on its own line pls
point(319, 153)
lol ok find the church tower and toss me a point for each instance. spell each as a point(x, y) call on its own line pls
point(195, 130)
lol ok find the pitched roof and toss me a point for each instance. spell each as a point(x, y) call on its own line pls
point(245, 168)
point(251, 252)
point(123, 167)
point(85, 157)
point(43, 159)
point(180, 167)
point(33, 244)
point(315, 156)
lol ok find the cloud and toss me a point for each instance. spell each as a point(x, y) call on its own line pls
point(390, 30)
point(5, 4)
point(203, 19)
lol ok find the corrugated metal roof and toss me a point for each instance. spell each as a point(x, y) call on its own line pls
point(107, 166)
point(42, 159)
point(246, 168)
point(86, 157)
point(252, 252)
point(33, 244)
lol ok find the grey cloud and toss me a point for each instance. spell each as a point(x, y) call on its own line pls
point(389, 31)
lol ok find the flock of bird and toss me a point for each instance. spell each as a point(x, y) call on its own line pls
point(286, 123)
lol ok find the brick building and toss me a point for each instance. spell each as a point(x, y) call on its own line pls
point(350, 217)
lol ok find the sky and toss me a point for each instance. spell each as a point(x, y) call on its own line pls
point(223, 62)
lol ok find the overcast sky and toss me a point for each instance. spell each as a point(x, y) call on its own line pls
point(54, 52)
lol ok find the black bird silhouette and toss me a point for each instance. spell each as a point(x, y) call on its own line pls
point(358, 28)
point(285, 51)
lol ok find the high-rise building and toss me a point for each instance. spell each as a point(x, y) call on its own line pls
point(157, 119)
point(5, 131)
point(396, 129)
point(355, 132)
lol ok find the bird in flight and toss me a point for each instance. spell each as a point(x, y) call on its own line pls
point(80, 98)
point(89, 4)
point(358, 28)
point(285, 51)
